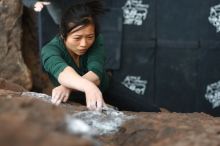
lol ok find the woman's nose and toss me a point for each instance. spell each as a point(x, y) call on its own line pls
point(83, 42)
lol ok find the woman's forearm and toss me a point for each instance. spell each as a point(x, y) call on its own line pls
point(91, 76)
point(71, 79)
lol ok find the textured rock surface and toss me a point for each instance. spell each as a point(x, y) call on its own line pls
point(12, 65)
point(7, 85)
point(172, 129)
point(90, 123)
point(31, 121)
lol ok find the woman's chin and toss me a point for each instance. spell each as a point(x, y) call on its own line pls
point(82, 52)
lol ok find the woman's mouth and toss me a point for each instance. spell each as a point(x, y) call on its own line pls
point(82, 51)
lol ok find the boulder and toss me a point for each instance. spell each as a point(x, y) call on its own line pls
point(7, 85)
point(29, 122)
point(28, 118)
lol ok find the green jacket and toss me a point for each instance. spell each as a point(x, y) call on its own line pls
point(55, 57)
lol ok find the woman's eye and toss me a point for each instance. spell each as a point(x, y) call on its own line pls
point(76, 38)
point(90, 37)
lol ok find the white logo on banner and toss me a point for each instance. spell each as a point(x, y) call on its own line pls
point(213, 94)
point(134, 83)
point(135, 12)
point(214, 17)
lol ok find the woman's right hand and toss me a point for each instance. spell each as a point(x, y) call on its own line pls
point(70, 78)
point(94, 99)
point(60, 94)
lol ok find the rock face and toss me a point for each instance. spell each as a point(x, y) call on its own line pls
point(12, 65)
point(172, 129)
point(7, 85)
point(27, 120)
point(31, 51)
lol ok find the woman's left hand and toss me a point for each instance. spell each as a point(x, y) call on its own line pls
point(60, 94)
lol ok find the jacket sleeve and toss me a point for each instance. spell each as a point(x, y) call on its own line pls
point(52, 60)
point(96, 62)
point(96, 57)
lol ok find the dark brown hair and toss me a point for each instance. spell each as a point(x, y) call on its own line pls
point(81, 13)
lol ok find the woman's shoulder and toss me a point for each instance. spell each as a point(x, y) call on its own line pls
point(98, 41)
point(55, 45)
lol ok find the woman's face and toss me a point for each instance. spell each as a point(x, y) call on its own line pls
point(80, 41)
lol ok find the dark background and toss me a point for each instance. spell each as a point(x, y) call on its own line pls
point(176, 50)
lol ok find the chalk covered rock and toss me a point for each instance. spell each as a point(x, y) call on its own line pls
point(40, 96)
point(28, 120)
point(107, 121)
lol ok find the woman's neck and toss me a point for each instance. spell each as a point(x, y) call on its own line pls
point(75, 57)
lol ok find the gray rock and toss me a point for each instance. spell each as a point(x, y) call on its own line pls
point(108, 121)
point(26, 120)
point(89, 123)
